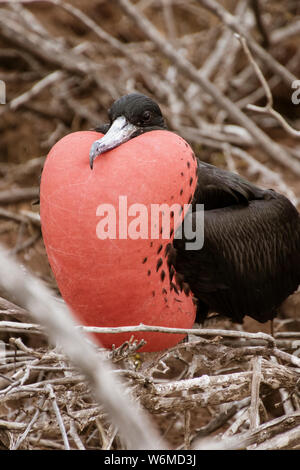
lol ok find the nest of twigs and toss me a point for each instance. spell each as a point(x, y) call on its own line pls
point(241, 389)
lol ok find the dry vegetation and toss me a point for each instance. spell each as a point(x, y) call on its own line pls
point(63, 64)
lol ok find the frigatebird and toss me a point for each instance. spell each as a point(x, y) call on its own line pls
point(250, 261)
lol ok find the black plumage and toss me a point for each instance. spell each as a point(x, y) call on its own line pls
point(250, 261)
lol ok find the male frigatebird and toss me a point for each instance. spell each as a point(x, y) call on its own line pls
point(250, 261)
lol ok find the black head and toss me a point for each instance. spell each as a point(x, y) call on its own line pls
point(130, 116)
point(139, 110)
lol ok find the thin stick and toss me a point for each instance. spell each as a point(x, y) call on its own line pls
point(26, 244)
point(36, 89)
point(221, 419)
point(268, 108)
point(241, 418)
point(255, 386)
point(169, 19)
point(21, 327)
point(187, 429)
point(11, 309)
point(58, 416)
point(258, 72)
point(33, 217)
point(12, 426)
point(74, 434)
point(286, 357)
point(279, 35)
point(287, 440)
point(31, 423)
point(112, 434)
point(33, 328)
point(45, 443)
point(18, 194)
point(256, 6)
point(191, 331)
point(12, 215)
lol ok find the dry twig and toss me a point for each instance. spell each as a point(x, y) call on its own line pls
point(268, 108)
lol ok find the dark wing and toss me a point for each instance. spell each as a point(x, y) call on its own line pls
point(218, 188)
point(250, 261)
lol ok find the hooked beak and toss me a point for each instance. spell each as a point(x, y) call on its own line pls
point(119, 132)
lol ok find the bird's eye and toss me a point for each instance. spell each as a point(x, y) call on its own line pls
point(146, 116)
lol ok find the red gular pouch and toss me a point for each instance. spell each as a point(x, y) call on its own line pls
point(105, 243)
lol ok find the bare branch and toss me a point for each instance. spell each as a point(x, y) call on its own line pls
point(36, 89)
point(268, 109)
point(255, 386)
point(18, 194)
point(74, 434)
point(279, 35)
point(58, 416)
point(28, 428)
point(191, 331)
point(232, 23)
